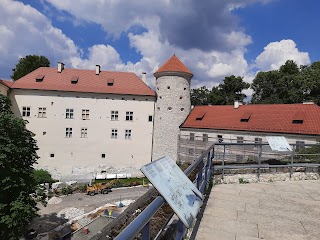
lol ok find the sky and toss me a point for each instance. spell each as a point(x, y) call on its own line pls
point(213, 38)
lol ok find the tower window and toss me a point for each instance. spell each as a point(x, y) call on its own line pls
point(182, 109)
point(52, 155)
point(168, 87)
point(103, 155)
point(158, 108)
point(180, 97)
point(184, 88)
point(169, 108)
point(150, 118)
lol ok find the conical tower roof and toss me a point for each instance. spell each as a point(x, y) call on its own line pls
point(173, 65)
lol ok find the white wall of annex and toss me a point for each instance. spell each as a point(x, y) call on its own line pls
point(248, 137)
point(81, 156)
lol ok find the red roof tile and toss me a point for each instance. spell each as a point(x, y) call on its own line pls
point(173, 65)
point(276, 118)
point(6, 83)
point(88, 81)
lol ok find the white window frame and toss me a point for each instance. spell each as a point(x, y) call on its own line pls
point(69, 113)
point(129, 116)
point(26, 111)
point(68, 132)
point(42, 112)
point(85, 114)
point(128, 134)
point(114, 133)
point(114, 115)
point(84, 132)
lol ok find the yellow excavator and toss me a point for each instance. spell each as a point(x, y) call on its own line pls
point(103, 188)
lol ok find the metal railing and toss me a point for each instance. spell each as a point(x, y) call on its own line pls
point(141, 224)
point(255, 151)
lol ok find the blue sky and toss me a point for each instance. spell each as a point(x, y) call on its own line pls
point(213, 38)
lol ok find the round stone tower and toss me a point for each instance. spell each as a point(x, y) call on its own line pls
point(172, 107)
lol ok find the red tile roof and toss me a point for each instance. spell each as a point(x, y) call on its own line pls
point(6, 83)
point(276, 118)
point(88, 81)
point(173, 65)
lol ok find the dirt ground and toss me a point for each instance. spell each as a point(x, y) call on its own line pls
point(49, 218)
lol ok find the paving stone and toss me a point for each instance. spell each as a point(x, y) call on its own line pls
point(270, 211)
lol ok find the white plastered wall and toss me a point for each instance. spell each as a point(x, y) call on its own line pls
point(82, 157)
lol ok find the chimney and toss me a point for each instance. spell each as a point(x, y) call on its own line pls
point(98, 69)
point(60, 67)
point(144, 77)
point(236, 104)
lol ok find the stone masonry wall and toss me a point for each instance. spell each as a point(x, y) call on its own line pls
point(171, 109)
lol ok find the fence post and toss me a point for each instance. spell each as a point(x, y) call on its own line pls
point(259, 160)
point(146, 232)
point(292, 155)
point(207, 167)
point(199, 177)
point(224, 154)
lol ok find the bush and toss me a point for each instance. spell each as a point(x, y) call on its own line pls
point(66, 190)
point(42, 176)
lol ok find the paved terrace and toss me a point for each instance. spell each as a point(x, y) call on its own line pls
point(276, 210)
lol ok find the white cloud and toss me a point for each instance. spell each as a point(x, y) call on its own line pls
point(104, 55)
point(276, 54)
point(26, 31)
point(210, 51)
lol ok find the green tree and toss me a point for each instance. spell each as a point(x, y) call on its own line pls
point(29, 64)
point(232, 88)
point(289, 84)
point(225, 93)
point(199, 96)
point(311, 76)
point(18, 187)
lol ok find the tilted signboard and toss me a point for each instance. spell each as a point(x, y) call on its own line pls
point(175, 187)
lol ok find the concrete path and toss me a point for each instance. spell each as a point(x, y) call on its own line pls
point(270, 211)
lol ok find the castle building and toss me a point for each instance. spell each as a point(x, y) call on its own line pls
point(88, 122)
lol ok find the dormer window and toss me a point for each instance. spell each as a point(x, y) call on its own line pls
point(245, 117)
point(39, 78)
point(298, 118)
point(110, 82)
point(200, 116)
point(74, 80)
